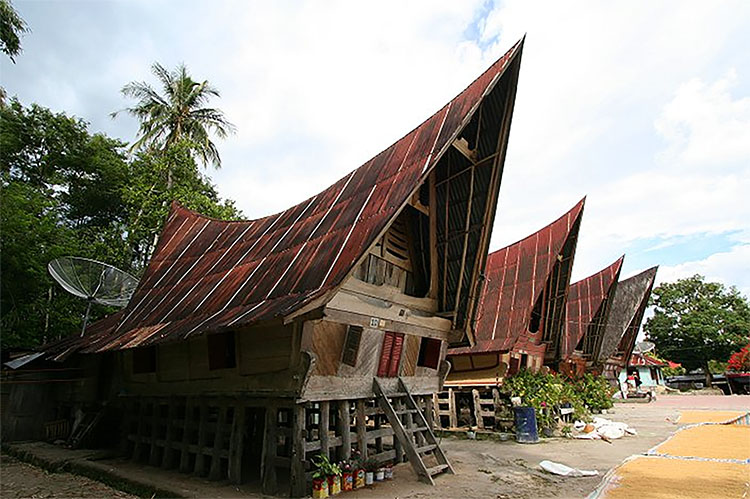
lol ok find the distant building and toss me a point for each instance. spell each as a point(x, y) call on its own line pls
point(648, 369)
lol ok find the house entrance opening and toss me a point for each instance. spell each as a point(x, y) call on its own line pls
point(252, 447)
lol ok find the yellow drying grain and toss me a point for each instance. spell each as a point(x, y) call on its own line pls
point(689, 417)
point(712, 441)
point(665, 478)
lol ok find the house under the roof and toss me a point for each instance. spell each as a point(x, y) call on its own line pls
point(249, 347)
point(521, 316)
point(588, 305)
point(625, 317)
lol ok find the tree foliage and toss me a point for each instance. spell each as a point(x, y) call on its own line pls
point(12, 27)
point(66, 191)
point(695, 322)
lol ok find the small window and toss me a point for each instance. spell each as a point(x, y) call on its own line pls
point(429, 353)
point(144, 360)
point(351, 345)
point(221, 352)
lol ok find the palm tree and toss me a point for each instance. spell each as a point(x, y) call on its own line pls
point(177, 115)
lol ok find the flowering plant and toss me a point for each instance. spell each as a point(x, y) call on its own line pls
point(740, 361)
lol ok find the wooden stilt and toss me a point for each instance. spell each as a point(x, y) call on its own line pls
point(167, 458)
point(138, 445)
point(477, 409)
point(429, 410)
point(325, 414)
point(452, 408)
point(438, 424)
point(200, 458)
point(236, 443)
point(298, 480)
point(344, 430)
point(361, 429)
point(153, 459)
point(270, 441)
point(214, 472)
point(187, 428)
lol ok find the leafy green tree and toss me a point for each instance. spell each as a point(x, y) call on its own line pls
point(695, 322)
point(12, 26)
point(68, 192)
point(178, 115)
point(149, 193)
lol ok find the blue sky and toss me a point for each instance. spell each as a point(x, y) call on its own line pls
point(642, 106)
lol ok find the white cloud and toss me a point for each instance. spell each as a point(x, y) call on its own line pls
point(703, 124)
point(728, 267)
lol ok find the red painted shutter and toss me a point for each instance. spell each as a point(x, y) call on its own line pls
point(398, 343)
point(385, 355)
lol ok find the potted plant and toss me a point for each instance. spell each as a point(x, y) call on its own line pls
point(332, 474)
point(319, 484)
point(370, 465)
point(347, 476)
point(358, 470)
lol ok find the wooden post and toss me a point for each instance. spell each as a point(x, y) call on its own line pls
point(153, 459)
point(378, 440)
point(125, 428)
point(200, 458)
point(325, 413)
point(167, 458)
point(270, 441)
point(138, 445)
point(236, 443)
point(215, 472)
point(477, 409)
point(397, 406)
point(436, 408)
point(345, 430)
point(361, 429)
point(429, 410)
point(497, 405)
point(453, 418)
point(299, 482)
point(186, 430)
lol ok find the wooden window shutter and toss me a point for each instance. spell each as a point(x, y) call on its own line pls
point(351, 345)
point(385, 355)
point(398, 343)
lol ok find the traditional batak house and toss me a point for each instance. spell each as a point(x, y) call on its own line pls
point(249, 347)
point(589, 304)
point(625, 317)
point(521, 316)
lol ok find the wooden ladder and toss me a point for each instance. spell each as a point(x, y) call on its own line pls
point(413, 432)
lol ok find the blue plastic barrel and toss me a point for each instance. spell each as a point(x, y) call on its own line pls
point(525, 420)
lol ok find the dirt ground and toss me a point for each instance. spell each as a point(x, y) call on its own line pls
point(485, 468)
point(19, 479)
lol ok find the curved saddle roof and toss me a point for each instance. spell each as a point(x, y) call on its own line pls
point(515, 276)
point(209, 275)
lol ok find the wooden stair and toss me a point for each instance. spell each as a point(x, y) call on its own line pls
point(413, 432)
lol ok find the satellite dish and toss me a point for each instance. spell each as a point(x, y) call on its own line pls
point(94, 281)
point(643, 347)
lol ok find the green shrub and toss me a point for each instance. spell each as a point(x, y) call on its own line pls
point(546, 391)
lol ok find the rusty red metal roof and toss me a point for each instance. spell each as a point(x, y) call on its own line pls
point(514, 278)
point(209, 275)
point(585, 298)
point(644, 359)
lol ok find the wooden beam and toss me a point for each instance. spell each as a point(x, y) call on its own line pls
point(452, 416)
point(153, 459)
point(186, 430)
point(167, 460)
point(433, 237)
